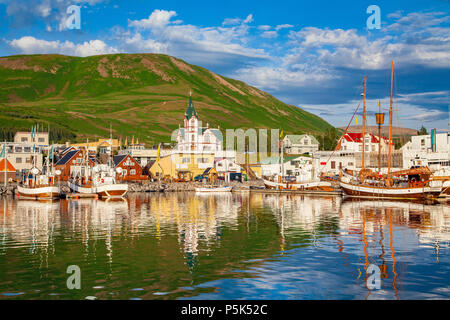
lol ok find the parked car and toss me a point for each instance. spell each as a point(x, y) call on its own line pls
point(200, 178)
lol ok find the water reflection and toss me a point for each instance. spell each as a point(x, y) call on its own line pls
point(182, 245)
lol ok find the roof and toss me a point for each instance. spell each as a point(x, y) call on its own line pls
point(357, 137)
point(119, 158)
point(69, 155)
point(298, 138)
point(190, 111)
point(217, 133)
point(9, 166)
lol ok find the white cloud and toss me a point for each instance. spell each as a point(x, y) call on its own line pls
point(269, 34)
point(283, 26)
point(31, 45)
point(158, 19)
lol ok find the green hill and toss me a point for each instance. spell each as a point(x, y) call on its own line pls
point(144, 95)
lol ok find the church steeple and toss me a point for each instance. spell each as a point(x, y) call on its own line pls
point(190, 111)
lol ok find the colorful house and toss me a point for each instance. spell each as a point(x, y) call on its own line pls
point(182, 166)
point(131, 169)
point(71, 164)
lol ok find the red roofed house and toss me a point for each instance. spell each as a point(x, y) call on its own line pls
point(71, 163)
point(131, 169)
point(352, 141)
point(10, 171)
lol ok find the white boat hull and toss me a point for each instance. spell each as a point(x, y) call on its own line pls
point(313, 185)
point(48, 192)
point(362, 191)
point(104, 191)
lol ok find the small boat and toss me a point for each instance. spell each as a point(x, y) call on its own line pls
point(243, 189)
point(299, 186)
point(101, 182)
point(213, 189)
point(38, 186)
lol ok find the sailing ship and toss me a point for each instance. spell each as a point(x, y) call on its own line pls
point(38, 185)
point(412, 183)
point(99, 180)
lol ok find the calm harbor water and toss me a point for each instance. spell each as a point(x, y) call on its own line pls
point(229, 246)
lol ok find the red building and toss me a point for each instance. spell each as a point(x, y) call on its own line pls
point(70, 160)
point(131, 169)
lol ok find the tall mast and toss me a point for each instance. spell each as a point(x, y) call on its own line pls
point(390, 120)
point(364, 125)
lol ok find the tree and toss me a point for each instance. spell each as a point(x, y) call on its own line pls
point(422, 131)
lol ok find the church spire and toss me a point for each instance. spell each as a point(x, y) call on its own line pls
point(190, 111)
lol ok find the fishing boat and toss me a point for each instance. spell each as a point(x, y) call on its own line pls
point(38, 185)
point(99, 180)
point(412, 183)
point(213, 189)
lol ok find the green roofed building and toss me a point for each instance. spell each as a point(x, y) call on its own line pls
point(300, 144)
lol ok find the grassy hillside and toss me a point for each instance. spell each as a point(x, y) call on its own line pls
point(144, 95)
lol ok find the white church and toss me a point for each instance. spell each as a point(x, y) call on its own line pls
point(194, 138)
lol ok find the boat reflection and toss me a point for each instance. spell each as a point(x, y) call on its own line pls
point(184, 239)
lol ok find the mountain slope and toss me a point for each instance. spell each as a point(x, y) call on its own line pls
point(143, 95)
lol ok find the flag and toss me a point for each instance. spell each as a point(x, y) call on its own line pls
point(32, 136)
point(132, 141)
point(356, 120)
point(379, 102)
point(281, 133)
point(137, 140)
point(3, 153)
point(50, 154)
point(158, 153)
point(126, 141)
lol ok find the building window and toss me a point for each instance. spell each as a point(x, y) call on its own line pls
point(41, 139)
point(27, 149)
point(133, 172)
point(24, 139)
point(333, 165)
point(186, 160)
point(202, 160)
point(28, 160)
point(18, 160)
point(124, 172)
point(18, 149)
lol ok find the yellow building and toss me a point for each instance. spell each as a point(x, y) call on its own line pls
point(101, 146)
point(183, 166)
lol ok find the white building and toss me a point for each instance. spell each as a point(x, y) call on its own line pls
point(226, 165)
point(420, 152)
point(300, 144)
point(352, 142)
point(195, 138)
point(40, 138)
point(330, 162)
point(22, 156)
point(302, 168)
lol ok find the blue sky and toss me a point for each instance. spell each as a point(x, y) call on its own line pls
point(312, 54)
